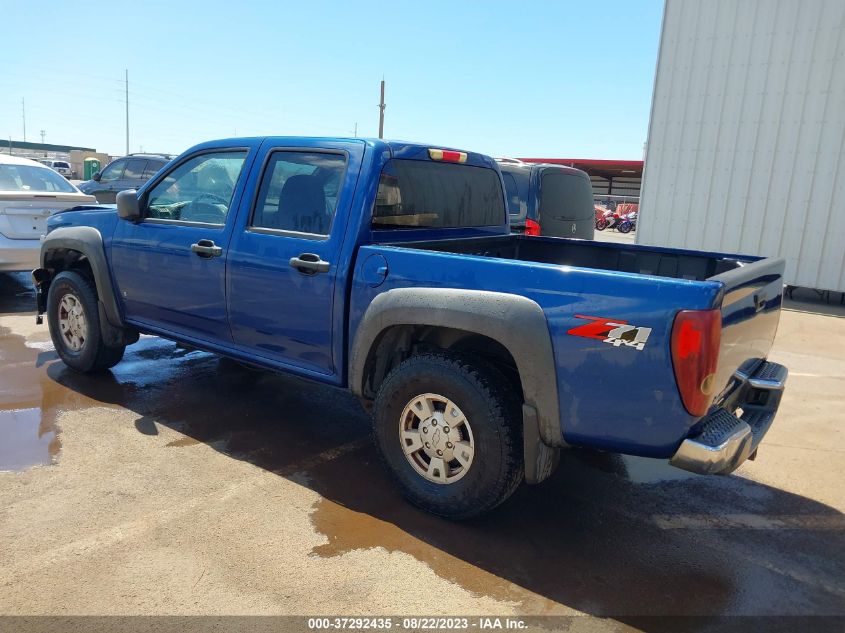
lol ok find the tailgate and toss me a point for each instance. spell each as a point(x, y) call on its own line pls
point(753, 294)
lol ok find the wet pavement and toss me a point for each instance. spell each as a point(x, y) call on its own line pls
point(179, 482)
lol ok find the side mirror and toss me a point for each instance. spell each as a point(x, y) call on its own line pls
point(127, 205)
point(96, 177)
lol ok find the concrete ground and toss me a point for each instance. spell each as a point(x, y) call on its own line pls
point(611, 235)
point(180, 483)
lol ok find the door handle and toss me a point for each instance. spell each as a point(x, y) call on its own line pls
point(309, 264)
point(206, 248)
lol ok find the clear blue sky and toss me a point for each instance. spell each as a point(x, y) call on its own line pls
point(553, 79)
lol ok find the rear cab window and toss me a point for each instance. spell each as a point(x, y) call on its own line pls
point(416, 194)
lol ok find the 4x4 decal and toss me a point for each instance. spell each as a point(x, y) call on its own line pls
point(614, 331)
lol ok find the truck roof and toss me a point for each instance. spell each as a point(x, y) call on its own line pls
point(396, 148)
point(508, 165)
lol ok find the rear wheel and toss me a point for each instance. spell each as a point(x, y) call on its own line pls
point(449, 430)
point(625, 227)
point(74, 320)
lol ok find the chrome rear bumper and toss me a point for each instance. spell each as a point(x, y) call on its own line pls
point(731, 433)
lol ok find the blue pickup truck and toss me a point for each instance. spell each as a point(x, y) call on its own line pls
point(388, 268)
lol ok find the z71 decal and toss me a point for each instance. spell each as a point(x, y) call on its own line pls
point(614, 331)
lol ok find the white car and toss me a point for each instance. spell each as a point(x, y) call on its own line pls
point(60, 166)
point(29, 194)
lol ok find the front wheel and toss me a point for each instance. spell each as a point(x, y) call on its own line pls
point(624, 227)
point(601, 225)
point(74, 320)
point(449, 430)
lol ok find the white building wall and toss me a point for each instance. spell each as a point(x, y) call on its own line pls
point(747, 134)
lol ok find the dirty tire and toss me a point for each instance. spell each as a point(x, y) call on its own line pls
point(94, 354)
point(490, 404)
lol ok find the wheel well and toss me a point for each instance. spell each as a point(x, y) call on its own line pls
point(399, 342)
point(61, 259)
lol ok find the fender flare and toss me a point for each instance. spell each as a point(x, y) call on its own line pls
point(514, 321)
point(88, 241)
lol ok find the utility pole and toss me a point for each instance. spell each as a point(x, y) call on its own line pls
point(356, 129)
point(23, 115)
point(43, 133)
point(381, 107)
point(126, 70)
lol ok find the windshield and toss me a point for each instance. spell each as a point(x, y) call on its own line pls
point(422, 194)
point(30, 178)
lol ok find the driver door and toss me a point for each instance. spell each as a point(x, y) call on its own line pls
point(170, 267)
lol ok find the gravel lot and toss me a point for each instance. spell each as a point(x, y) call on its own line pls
point(180, 483)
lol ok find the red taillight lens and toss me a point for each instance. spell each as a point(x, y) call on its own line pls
point(532, 227)
point(696, 335)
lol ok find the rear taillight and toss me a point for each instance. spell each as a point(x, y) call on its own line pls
point(532, 227)
point(696, 335)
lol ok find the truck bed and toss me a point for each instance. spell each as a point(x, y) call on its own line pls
point(611, 397)
point(645, 260)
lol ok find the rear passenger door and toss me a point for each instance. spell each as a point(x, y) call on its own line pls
point(284, 261)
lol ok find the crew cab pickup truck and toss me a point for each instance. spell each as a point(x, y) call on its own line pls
point(388, 268)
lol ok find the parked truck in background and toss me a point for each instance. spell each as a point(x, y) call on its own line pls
point(389, 268)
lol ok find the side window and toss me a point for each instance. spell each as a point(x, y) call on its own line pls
point(512, 192)
point(152, 168)
point(134, 169)
point(299, 192)
point(198, 190)
point(113, 171)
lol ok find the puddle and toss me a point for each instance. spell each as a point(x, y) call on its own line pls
point(26, 440)
point(348, 531)
point(643, 470)
point(16, 294)
point(548, 542)
point(636, 470)
point(240, 412)
point(28, 436)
